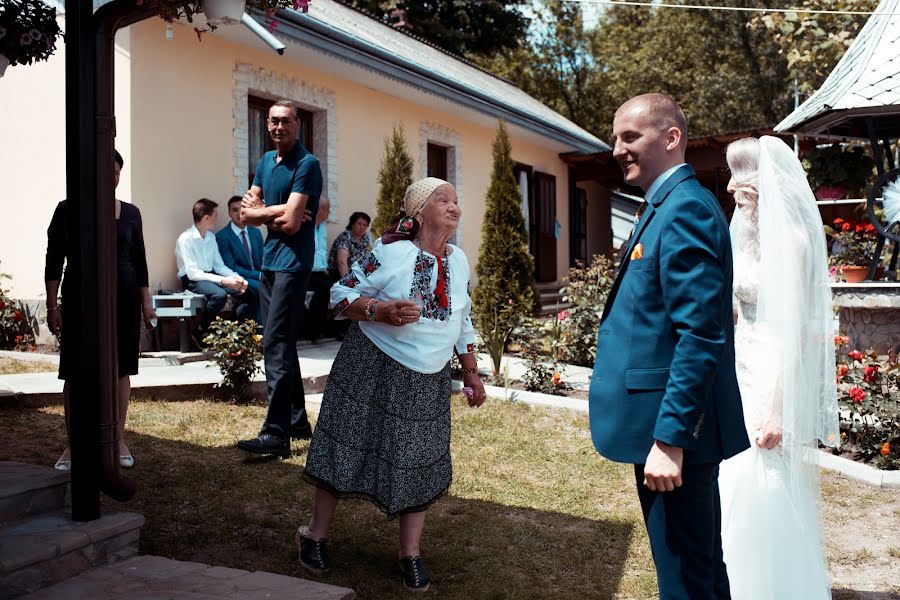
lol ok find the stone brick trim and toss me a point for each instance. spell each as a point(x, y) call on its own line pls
point(445, 136)
point(250, 80)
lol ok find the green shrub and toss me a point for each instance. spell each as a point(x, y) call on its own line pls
point(394, 176)
point(505, 291)
point(236, 351)
point(586, 289)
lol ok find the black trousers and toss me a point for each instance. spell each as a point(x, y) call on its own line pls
point(315, 319)
point(216, 295)
point(282, 296)
point(685, 530)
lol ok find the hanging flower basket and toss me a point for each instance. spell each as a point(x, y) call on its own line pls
point(223, 12)
point(28, 32)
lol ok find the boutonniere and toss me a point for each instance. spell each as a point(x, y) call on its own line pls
point(638, 252)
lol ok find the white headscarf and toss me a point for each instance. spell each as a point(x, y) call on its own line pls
point(418, 193)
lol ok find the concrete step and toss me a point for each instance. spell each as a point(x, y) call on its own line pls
point(30, 490)
point(44, 549)
point(148, 577)
point(552, 309)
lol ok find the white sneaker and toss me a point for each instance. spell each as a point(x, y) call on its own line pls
point(126, 461)
point(63, 465)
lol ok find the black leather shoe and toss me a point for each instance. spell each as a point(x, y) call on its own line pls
point(303, 432)
point(267, 444)
point(415, 575)
point(313, 557)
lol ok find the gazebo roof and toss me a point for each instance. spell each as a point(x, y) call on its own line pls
point(865, 83)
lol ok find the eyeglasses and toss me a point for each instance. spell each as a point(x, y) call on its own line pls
point(280, 121)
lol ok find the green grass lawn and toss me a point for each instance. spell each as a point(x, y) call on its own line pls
point(534, 512)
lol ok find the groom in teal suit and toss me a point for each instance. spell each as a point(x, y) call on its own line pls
point(664, 395)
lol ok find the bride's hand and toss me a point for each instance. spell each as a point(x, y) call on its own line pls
point(768, 435)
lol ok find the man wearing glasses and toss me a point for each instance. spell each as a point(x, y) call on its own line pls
point(284, 197)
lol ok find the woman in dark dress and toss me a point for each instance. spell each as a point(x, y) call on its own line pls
point(133, 301)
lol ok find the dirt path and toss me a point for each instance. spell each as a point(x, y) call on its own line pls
point(862, 539)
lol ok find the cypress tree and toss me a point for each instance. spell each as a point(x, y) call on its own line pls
point(505, 268)
point(394, 177)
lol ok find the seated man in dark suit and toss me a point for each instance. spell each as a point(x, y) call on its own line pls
point(202, 271)
point(241, 248)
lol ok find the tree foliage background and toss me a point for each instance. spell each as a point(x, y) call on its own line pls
point(729, 70)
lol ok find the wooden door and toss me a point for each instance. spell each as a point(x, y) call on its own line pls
point(544, 215)
point(578, 226)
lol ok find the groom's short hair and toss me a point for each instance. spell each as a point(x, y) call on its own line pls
point(662, 111)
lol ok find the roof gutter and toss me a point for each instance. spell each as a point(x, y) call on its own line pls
point(346, 47)
point(270, 40)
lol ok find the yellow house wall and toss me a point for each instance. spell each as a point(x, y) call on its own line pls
point(184, 119)
point(175, 114)
point(33, 159)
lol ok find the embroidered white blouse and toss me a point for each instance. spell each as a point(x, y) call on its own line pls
point(399, 271)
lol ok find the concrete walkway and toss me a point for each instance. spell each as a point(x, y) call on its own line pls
point(158, 578)
point(175, 376)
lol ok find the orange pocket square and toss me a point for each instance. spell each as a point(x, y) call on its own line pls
point(638, 252)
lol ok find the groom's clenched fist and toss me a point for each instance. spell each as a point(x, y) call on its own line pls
point(662, 471)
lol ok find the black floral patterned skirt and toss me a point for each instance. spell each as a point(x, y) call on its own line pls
point(383, 432)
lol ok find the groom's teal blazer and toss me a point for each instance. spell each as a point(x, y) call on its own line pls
point(664, 368)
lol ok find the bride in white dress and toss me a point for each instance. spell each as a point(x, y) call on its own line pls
point(784, 356)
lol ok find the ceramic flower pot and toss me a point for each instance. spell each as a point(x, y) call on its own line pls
point(830, 192)
point(223, 12)
point(4, 62)
point(853, 274)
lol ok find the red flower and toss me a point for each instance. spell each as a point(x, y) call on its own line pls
point(19, 339)
point(17, 316)
point(859, 228)
point(886, 449)
point(857, 394)
point(3, 305)
point(870, 228)
point(846, 227)
point(563, 315)
point(855, 355)
point(235, 354)
point(838, 221)
point(870, 373)
point(842, 370)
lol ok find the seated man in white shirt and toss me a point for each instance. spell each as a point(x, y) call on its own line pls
point(200, 265)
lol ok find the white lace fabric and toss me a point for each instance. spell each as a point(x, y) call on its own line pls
point(784, 358)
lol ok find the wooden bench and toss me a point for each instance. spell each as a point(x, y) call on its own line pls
point(182, 306)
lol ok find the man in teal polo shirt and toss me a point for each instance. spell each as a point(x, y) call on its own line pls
point(284, 197)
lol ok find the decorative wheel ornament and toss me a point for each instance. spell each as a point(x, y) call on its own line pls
point(886, 219)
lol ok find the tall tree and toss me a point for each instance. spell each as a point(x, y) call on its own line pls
point(481, 28)
point(505, 267)
point(727, 76)
point(813, 43)
point(394, 177)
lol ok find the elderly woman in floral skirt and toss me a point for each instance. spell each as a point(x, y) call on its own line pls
point(383, 432)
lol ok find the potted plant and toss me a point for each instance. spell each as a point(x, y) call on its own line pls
point(28, 32)
point(835, 171)
point(852, 246)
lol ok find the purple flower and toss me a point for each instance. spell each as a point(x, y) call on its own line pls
point(25, 40)
point(35, 34)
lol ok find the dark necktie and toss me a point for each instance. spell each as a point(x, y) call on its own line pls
point(246, 245)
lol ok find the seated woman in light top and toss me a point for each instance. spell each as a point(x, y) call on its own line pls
point(383, 432)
